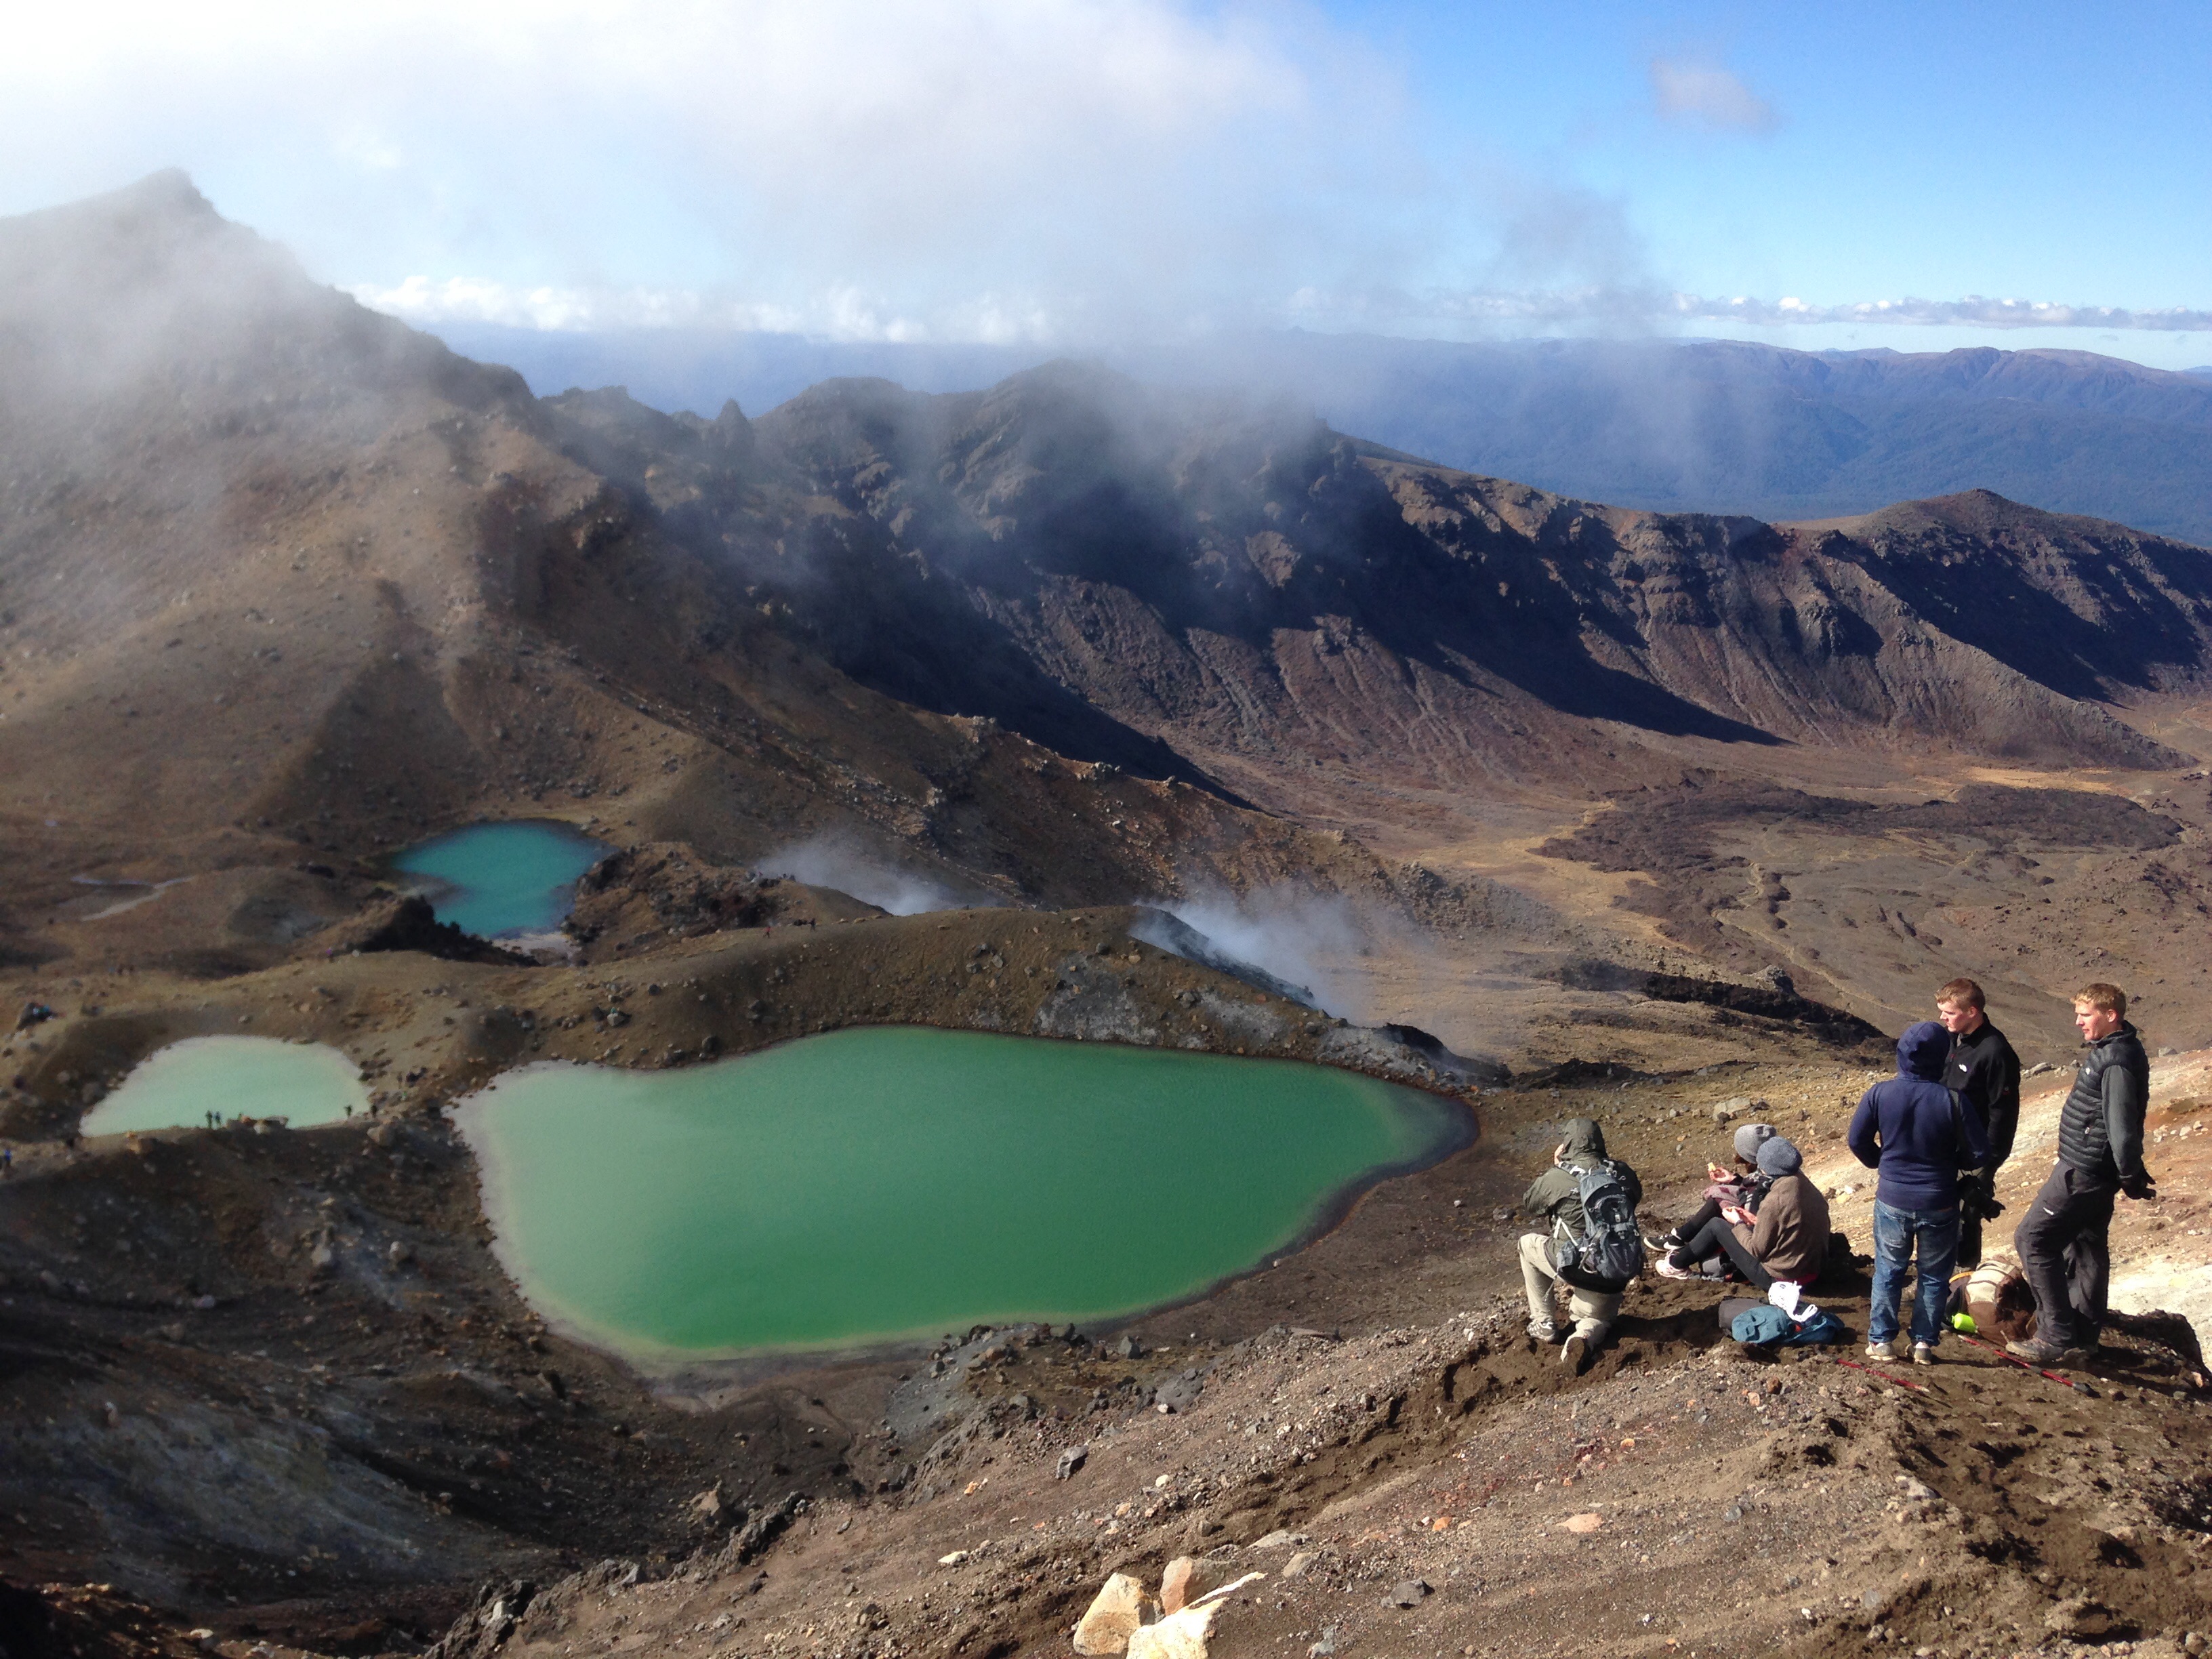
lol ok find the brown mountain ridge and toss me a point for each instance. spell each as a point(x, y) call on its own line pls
point(1637, 801)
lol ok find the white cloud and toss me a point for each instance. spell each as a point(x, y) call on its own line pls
point(845, 314)
point(1973, 312)
point(1706, 95)
point(878, 164)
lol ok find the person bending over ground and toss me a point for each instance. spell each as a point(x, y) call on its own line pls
point(2064, 1252)
point(1985, 1072)
point(1742, 1187)
point(1918, 1134)
point(1787, 1239)
point(1579, 1164)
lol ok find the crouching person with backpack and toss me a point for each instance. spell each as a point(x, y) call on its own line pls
point(1593, 1248)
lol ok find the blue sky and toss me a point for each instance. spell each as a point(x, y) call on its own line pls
point(1076, 170)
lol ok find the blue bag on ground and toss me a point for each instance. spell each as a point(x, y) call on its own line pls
point(1767, 1326)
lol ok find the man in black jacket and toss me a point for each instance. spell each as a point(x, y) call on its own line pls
point(2063, 1252)
point(1983, 1071)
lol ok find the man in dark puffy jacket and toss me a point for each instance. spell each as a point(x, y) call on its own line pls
point(1918, 1135)
point(1556, 1195)
point(2064, 1251)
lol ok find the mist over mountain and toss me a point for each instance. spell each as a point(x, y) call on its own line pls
point(1715, 426)
point(1103, 565)
point(281, 579)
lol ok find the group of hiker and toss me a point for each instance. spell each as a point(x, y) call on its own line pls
point(1936, 1134)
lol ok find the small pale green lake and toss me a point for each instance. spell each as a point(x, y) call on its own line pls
point(897, 1182)
point(177, 1087)
point(496, 879)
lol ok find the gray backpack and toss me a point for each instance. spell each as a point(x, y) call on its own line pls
point(1610, 1251)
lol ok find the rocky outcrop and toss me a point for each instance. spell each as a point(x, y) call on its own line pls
point(395, 923)
point(1776, 999)
point(643, 896)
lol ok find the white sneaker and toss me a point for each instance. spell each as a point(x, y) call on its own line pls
point(1882, 1350)
point(1543, 1330)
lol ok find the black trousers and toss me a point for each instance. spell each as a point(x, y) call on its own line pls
point(1716, 1237)
point(1688, 1231)
point(2065, 1256)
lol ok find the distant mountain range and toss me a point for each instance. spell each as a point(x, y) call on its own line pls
point(1708, 426)
point(1231, 583)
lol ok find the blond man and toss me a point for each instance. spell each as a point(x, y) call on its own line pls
point(2063, 1241)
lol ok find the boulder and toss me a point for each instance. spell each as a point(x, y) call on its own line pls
point(1180, 1636)
point(1116, 1613)
point(1407, 1593)
point(1179, 1393)
point(710, 1507)
point(1186, 1579)
point(1069, 1462)
point(2078, 1616)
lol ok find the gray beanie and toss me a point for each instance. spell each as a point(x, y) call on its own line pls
point(1750, 1138)
point(1778, 1158)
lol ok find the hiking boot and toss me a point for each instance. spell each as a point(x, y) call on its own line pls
point(2042, 1350)
point(1576, 1352)
point(1882, 1350)
point(1543, 1330)
point(1923, 1353)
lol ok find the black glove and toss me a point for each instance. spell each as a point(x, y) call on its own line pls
point(2139, 1185)
point(1975, 1198)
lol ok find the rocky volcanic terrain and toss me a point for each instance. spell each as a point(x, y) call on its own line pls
point(1662, 818)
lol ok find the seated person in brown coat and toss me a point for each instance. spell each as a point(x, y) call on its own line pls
point(1787, 1239)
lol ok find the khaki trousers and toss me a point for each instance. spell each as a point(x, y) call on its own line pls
point(1592, 1311)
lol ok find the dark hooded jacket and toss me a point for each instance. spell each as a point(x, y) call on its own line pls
point(1914, 1130)
point(1556, 1194)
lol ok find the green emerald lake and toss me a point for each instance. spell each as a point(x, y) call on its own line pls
point(898, 1182)
point(494, 879)
point(176, 1087)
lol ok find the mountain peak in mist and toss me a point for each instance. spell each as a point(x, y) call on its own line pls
point(110, 238)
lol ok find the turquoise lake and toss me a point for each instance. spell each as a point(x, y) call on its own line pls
point(900, 1182)
point(176, 1087)
point(495, 879)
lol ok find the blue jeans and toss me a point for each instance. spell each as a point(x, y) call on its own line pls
point(1899, 1235)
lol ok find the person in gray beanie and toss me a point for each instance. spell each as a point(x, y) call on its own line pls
point(1743, 1187)
point(1787, 1239)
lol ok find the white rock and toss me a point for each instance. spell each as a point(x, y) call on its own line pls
point(1180, 1636)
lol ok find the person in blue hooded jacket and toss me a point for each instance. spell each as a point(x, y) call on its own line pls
point(1918, 1135)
